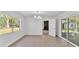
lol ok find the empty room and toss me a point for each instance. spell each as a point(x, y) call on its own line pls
point(39, 28)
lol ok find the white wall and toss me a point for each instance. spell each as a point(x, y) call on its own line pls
point(9, 38)
point(58, 27)
point(52, 27)
point(33, 26)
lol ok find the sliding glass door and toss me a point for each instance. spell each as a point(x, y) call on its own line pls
point(70, 29)
point(64, 27)
point(74, 29)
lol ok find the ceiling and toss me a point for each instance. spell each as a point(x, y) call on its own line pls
point(41, 13)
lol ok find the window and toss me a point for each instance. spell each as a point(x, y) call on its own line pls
point(8, 24)
point(70, 29)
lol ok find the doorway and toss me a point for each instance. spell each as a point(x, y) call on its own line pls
point(46, 27)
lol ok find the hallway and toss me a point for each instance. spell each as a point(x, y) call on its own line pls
point(40, 41)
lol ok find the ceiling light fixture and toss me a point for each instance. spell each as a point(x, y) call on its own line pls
point(37, 17)
point(37, 12)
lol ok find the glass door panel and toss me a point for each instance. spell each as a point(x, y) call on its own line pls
point(73, 31)
point(64, 24)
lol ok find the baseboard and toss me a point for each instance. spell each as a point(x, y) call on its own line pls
point(69, 42)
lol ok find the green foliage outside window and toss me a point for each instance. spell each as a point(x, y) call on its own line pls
point(8, 23)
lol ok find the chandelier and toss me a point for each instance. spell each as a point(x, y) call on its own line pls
point(37, 17)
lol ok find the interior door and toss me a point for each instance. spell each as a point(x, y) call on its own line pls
point(46, 25)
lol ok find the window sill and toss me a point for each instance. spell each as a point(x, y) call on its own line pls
point(8, 33)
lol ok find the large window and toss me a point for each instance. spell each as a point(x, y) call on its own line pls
point(8, 24)
point(70, 29)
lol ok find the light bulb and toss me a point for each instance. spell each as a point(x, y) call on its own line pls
point(34, 16)
point(39, 17)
